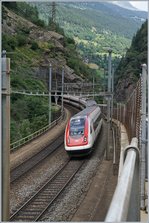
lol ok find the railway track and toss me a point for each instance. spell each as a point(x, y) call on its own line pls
point(26, 166)
point(36, 206)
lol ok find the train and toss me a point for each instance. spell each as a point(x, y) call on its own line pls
point(82, 130)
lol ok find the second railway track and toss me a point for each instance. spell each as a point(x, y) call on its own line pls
point(26, 166)
point(36, 206)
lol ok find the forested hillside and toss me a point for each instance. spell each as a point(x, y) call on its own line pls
point(129, 69)
point(96, 26)
point(31, 48)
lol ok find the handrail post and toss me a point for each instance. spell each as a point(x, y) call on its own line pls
point(143, 134)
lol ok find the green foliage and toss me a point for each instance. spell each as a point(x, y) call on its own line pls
point(69, 40)
point(9, 43)
point(10, 5)
point(34, 45)
point(25, 128)
point(39, 122)
point(24, 30)
point(21, 40)
point(28, 114)
point(130, 65)
point(74, 61)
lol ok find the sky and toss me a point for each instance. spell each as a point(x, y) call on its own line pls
point(142, 5)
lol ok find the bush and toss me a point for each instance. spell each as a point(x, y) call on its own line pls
point(25, 128)
point(39, 22)
point(34, 46)
point(9, 42)
point(70, 40)
point(25, 30)
point(22, 40)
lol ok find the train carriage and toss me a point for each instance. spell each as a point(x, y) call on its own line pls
point(82, 130)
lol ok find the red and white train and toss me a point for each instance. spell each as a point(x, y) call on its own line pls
point(82, 130)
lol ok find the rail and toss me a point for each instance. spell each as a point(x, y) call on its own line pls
point(125, 205)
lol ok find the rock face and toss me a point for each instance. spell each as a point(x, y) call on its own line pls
point(124, 89)
point(51, 44)
point(12, 22)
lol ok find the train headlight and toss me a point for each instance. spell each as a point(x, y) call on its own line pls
point(85, 139)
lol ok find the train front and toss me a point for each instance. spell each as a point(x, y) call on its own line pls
point(76, 136)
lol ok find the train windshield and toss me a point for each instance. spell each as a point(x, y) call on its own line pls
point(77, 126)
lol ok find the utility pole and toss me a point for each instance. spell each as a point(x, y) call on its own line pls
point(5, 135)
point(93, 86)
point(109, 103)
point(104, 89)
point(112, 90)
point(50, 86)
point(62, 109)
point(53, 16)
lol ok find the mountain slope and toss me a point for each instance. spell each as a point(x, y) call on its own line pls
point(32, 48)
point(103, 16)
point(124, 4)
point(129, 69)
point(96, 26)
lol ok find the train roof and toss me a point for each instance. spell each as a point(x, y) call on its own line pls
point(90, 102)
point(86, 111)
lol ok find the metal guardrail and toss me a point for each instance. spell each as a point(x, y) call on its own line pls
point(34, 135)
point(125, 205)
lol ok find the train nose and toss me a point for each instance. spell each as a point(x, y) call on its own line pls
point(77, 141)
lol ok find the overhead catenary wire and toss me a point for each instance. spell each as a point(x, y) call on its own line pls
point(46, 94)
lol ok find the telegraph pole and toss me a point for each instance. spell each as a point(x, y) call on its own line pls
point(109, 103)
point(50, 86)
point(112, 91)
point(5, 136)
point(93, 86)
point(53, 15)
point(62, 109)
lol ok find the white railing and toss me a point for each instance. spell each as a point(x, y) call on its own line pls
point(125, 205)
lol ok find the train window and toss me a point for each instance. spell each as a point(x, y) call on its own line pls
point(77, 126)
point(96, 122)
point(91, 130)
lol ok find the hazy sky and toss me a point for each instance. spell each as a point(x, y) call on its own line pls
point(142, 5)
